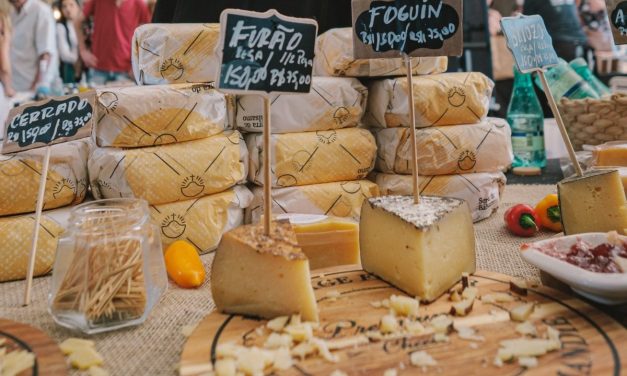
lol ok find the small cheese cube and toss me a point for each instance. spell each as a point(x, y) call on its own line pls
point(264, 276)
point(70, 345)
point(85, 357)
point(594, 202)
point(388, 324)
point(404, 306)
point(421, 249)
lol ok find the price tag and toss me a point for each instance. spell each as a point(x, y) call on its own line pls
point(529, 42)
point(49, 122)
point(265, 53)
point(617, 13)
point(385, 29)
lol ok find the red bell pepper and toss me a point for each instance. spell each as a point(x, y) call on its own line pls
point(522, 220)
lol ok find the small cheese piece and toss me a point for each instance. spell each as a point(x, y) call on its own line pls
point(421, 249)
point(388, 324)
point(265, 276)
point(85, 357)
point(593, 203)
point(71, 345)
point(404, 306)
point(327, 241)
point(422, 359)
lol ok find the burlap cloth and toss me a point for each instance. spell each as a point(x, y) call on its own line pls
point(154, 348)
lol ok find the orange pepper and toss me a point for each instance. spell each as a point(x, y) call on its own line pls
point(549, 211)
point(183, 264)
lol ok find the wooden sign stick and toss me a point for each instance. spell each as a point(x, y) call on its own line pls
point(267, 179)
point(39, 208)
point(560, 123)
point(412, 122)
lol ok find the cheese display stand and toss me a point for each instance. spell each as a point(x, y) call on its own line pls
point(353, 276)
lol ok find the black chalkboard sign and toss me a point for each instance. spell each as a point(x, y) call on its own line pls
point(617, 13)
point(266, 52)
point(53, 121)
point(529, 42)
point(388, 28)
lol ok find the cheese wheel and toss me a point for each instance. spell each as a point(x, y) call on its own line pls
point(333, 103)
point(66, 183)
point(137, 116)
point(169, 173)
point(313, 157)
point(442, 99)
point(175, 53)
point(334, 57)
point(340, 199)
point(461, 149)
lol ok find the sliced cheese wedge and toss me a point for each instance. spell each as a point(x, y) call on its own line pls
point(264, 276)
point(421, 249)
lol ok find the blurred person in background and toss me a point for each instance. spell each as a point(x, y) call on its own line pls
point(114, 24)
point(563, 24)
point(596, 25)
point(67, 41)
point(34, 56)
point(5, 49)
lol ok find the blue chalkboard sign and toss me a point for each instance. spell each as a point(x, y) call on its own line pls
point(266, 52)
point(530, 42)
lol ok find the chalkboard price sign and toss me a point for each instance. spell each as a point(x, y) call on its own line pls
point(388, 28)
point(617, 13)
point(529, 42)
point(266, 52)
point(49, 122)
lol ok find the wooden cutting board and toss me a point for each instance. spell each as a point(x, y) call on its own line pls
point(49, 359)
point(592, 343)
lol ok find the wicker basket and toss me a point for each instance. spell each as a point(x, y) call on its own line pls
point(595, 121)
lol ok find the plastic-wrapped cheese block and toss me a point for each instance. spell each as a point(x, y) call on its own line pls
point(443, 99)
point(461, 149)
point(340, 199)
point(313, 157)
point(482, 191)
point(137, 116)
point(201, 221)
point(20, 174)
point(169, 173)
point(334, 57)
point(16, 233)
point(175, 53)
point(333, 103)
point(611, 153)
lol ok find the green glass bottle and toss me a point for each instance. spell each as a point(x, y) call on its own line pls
point(526, 120)
point(566, 83)
point(581, 67)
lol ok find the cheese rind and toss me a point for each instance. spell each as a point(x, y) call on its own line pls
point(264, 276)
point(593, 203)
point(421, 249)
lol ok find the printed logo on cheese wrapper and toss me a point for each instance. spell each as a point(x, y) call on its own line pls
point(530, 42)
point(49, 122)
point(617, 13)
point(387, 28)
point(263, 53)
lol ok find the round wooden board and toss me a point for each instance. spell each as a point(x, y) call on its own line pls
point(592, 343)
point(49, 360)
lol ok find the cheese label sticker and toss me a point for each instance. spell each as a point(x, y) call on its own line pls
point(529, 42)
point(265, 53)
point(49, 122)
point(617, 13)
point(386, 29)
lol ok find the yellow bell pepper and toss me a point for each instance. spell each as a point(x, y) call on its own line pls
point(183, 264)
point(549, 211)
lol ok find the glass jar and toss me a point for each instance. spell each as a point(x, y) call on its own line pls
point(109, 271)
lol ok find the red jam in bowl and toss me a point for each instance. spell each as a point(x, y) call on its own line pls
point(599, 259)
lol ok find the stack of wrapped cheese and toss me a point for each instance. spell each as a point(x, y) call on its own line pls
point(171, 144)
point(461, 153)
point(20, 174)
point(319, 157)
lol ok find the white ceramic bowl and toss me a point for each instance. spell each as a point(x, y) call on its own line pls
point(605, 288)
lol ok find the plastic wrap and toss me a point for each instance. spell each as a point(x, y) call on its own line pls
point(461, 149)
point(169, 173)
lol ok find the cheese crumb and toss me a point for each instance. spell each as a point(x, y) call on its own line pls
point(277, 324)
point(469, 334)
point(333, 295)
point(388, 324)
point(85, 357)
point(404, 306)
point(442, 324)
point(283, 359)
point(421, 359)
point(498, 297)
point(440, 337)
point(413, 327)
point(528, 362)
point(337, 372)
point(276, 340)
point(225, 367)
point(72, 344)
point(527, 328)
point(390, 372)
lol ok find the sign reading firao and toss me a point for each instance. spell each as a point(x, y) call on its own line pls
point(266, 52)
point(49, 122)
point(413, 27)
point(529, 42)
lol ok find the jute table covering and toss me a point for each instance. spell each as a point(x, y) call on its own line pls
point(154, 348)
